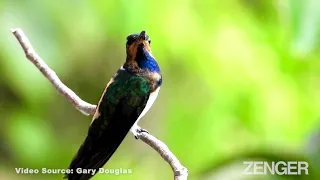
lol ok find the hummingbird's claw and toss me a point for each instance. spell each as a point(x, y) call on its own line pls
point(136, 130)
point(141, 130)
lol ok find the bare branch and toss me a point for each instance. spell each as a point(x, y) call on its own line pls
point(81, 105)
point(180, 172)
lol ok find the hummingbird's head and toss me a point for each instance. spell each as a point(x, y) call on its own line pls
point(137, 44)
point(138, 48)
point(139, 56)
point(136, 38)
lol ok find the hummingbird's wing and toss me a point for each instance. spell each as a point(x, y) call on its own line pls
point(120, 106)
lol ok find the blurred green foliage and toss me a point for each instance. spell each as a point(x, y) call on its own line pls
point(241, 80)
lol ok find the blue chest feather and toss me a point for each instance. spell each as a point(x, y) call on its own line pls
point(145, 60)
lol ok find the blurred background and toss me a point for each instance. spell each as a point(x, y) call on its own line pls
point(241, 81)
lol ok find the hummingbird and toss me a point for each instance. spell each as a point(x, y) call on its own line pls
point(127, 97)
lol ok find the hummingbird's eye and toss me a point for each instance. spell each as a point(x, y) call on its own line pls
point(149, 41)
point(129, 42)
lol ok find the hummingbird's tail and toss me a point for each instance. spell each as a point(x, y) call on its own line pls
point(95, 152)
point(88, 160)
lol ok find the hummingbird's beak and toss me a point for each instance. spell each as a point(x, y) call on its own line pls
point(142, 44)
point(142, 35)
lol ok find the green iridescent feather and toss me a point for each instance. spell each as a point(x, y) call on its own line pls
point(122, 103)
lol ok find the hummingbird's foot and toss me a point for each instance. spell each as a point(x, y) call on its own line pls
point(136, 130)
point(141, 130)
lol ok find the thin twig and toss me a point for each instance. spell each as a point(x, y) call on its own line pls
point(75, 100)
point(180, 172)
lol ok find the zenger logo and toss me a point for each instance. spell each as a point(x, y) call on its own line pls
point(276, 168)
